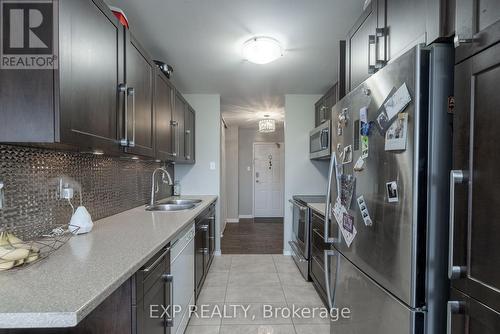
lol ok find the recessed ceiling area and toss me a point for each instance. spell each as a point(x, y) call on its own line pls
point(203, 42)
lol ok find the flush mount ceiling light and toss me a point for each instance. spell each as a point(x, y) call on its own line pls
point(267, 125)
point(262, 50)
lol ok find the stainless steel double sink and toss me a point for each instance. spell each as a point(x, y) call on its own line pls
point(174, 205)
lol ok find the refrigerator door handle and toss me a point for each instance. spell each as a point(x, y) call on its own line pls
point(454, 307)
point(456, 177)
point(330, 296)
point(332, 172)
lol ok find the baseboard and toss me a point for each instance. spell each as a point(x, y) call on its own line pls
point(232, 220)
point(246, 216)
point(287, 253)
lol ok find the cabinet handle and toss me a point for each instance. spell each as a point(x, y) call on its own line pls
point(131, 92)
point(169, 278)
point(456, 177)
point(188, 144)
point(122, 88)
point(174, 124)
point(464, 15)
point(204, 227)
point(454, 307)
point(372, 43)
point(158, 260)
point(2, 195)
point(380, 33)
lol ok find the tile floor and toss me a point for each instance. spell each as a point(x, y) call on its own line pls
point(254, 281)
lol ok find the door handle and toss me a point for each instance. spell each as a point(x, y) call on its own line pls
point(454, 307)
point(456, 177)
point(169, 278)
point(131, 92)
point(372, 43)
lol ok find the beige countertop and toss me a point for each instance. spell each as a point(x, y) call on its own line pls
point(64, 288)
point(318, 207)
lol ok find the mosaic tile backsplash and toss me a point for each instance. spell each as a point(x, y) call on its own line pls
point(110, 185)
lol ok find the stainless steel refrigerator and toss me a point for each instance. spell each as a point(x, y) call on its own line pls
point(388, 198)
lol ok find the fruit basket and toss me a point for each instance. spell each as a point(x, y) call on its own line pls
point(20, 247)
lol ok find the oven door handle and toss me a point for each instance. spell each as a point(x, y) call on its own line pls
point(297, 204)
point(295, 249)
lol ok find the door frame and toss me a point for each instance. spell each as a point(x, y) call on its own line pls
point(282, 158)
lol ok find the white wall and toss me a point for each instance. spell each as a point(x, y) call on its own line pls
point(248, 136)
point(302, 176)
point(199, 179)
point(232, 173)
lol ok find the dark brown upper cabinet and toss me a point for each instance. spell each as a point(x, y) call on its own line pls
point(360, 48)
point(137, 135)
point(101, 95)
point(389, 28)
point(477, 25)
point(189, 132)
point(164, 94)
point(180, 106)
point(78, 103)
point(323, 108)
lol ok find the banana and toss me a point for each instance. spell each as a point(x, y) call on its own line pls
point(13, 254)
point(6, 265)
point(32, 257)
point(18, 262)
point(18, 243)
point(4, 240)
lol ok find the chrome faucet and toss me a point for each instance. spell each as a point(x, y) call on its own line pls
point(2, 191)
point(154, 188)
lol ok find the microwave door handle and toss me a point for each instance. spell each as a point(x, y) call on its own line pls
point(324, 143)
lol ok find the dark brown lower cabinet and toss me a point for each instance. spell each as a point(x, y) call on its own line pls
point(136, 307)
point(114, 315)
point(471, 316)
point(474, 228)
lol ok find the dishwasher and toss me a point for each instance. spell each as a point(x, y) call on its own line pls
point(182, 269)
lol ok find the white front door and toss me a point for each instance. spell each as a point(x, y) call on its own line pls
point(268, 179)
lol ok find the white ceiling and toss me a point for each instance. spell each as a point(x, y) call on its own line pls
point(202, 40)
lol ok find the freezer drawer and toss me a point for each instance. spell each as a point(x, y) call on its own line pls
point(468, 316)
point(373, 310)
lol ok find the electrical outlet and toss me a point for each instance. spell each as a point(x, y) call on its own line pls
point(65, 190)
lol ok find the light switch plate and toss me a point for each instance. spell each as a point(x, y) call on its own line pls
point(212, 165)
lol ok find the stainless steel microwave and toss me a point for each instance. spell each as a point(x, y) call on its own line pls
point(319, 142)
